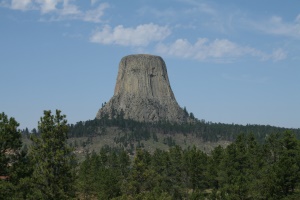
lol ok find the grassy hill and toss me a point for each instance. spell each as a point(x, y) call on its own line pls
point(116, 138)
point(92, 135)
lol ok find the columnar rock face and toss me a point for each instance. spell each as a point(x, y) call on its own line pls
point(143, 92)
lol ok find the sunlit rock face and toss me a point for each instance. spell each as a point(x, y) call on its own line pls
point(143, 92)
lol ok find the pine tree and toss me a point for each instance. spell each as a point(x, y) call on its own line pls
point(281, 174)
point(214, 167)
point(10, 144)
point(53, 174)
point(234, 175)
point(86, 178)
point(174, 172)
point(195, 164)
point(141, 178)
point(288, 168)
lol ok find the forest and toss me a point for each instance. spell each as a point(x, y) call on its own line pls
point(261, 162)
point(207, 131)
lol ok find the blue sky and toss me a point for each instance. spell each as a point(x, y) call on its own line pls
point(228, 61)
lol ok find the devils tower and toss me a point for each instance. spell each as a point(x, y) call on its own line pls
point(143, 92)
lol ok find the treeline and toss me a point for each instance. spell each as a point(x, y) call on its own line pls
point(44, 170)
point(245, 169)
point(48, 169)
point(207, 131)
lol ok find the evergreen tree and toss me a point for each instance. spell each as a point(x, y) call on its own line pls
point(195, 164)
point(255, 165)
point(53, 173)
point(288, 168)
point(141, 178)
point(175, 174)
point(86, 178)
point(10, 144)
point(281, 172)
point(214, 167)
point(234, 175)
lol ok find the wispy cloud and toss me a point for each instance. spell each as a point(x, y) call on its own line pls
point(69, 9)
point(141, 35)
point(21, 5)
point(59, 9)
point(277, 55)
point(93, 2)
point(219, 50)
point(190, 10)
point(277, 26)
point(47, 6)
point(44, 6)
point(95, 14)
point(189, 7)
point(205, 15)
point(200, 7)
point(157, 13)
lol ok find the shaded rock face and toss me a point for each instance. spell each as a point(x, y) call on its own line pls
point(143, 92)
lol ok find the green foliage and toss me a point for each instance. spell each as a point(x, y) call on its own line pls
point(141, 177)
point(249, 168)
point(195, 163)
point(53, 173)
point(10, 143)
point(137, 131)
point(214, 167)
point(169, 141)
point(100, 174)
point(246, 169)
point(236, 174)
point(287, 169)
point(10, 156)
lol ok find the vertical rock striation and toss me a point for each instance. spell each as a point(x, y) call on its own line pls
point(143, 92)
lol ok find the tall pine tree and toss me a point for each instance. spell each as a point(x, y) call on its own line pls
point(10, 144)
point(53, 174)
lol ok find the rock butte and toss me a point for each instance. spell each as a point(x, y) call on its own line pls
point(143, 92)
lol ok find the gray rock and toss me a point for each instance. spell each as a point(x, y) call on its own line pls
point(143, 92)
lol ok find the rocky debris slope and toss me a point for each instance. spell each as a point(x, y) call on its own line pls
point(143, 92)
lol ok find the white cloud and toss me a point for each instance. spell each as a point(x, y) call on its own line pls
point(21, 4)
point(219, 50)
point(276, 26)
point(278, 55)
point(95, 14)
point(203, 8)
point(60, 9)
point(69, 9)
point(200, 7)
point(142, 35)
point(93, 2)
point(168, 13)
point(47, 6)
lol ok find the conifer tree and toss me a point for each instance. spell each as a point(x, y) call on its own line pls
point(288, 168)
point(53, 174)
point(195, 162)
point(214, 167)
point(234, 177)
point(10, 144)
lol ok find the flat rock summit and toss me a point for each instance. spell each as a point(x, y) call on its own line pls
point(143, 92)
